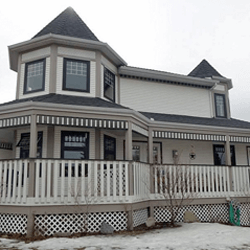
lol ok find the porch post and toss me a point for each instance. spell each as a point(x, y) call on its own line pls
point(33, 137)
point(227, 152)
point(129, 157)
point(129, 143)
point(228, 161)
point(150, 146)
point(32, 155)
point(150, 158)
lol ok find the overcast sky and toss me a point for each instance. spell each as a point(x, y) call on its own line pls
point(168, 35)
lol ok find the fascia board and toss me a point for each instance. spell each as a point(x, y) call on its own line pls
point(48, 39)
point(148, 73)
point(196, 127)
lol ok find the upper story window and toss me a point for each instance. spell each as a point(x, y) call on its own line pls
point(220, 105)
point(76, 75)
point(34, 76)
point(109, 85)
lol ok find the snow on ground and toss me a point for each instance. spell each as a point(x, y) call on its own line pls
point(198, 236)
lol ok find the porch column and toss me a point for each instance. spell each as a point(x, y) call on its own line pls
point(129, 157)
point(129, 143)
point(151, 158)
point(33, 137)
point(228, 161)
point(150, 146)
point(32, 155)
point(228, 152)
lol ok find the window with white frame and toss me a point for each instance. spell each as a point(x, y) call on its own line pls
point(220, 105)
point(76, 75)
point(109, 85)
point(34, 76)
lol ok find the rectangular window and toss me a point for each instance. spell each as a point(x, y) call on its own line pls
point(24, 145)
point(220, 157)
point(76, 75)
point(136, 153)
point(220, 105)
point(109, 148)
point(34, 76)
point(74, 145)
point(109, 85)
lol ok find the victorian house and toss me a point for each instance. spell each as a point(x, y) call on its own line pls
point(88, 134)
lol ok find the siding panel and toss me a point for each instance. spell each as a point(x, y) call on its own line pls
point(165, 98)
point(37, 54)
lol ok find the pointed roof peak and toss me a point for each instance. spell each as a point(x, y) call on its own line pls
point(68, 23)
point(204, 69)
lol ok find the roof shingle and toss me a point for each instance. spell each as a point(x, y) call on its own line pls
point(69, 100)
point(233, 123)
point(204, 69)
point(68, 23)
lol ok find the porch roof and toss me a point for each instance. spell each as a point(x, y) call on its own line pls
point(233, 123)
point(68, 100)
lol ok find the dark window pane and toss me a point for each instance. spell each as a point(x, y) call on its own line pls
point(34, 76)
point(220, 105)
point(74, 145)
point(109, 148)
point(76, 75)
point(220, 156)
point(109, 85)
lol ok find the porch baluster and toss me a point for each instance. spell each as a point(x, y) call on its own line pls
point(13, 200)
point(120, 179)
point(20, 185)
point(55, 180)
point(37, 170)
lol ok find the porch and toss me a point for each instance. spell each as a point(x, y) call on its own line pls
point(49, 182)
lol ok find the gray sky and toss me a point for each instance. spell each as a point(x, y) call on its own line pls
point(168, 35)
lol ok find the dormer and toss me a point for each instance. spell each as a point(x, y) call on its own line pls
point(65, 57)
point(219, 92)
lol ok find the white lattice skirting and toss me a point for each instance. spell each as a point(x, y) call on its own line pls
point(13, 223)
point(140, 217)
point(205, 213)
point(49, 224)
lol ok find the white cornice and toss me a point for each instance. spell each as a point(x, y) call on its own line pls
point(49, 39)
point(149, 73)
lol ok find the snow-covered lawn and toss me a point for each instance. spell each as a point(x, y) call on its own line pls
point(202, 236)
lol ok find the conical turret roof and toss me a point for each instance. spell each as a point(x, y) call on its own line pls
point(203, 70)
point(68, 23)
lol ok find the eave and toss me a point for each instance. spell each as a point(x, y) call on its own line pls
point(161, 75)
point(46, 40)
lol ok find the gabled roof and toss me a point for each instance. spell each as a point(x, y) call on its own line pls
point(184, 119)
point(204, 69)
point(68, 23)
point(68, 100)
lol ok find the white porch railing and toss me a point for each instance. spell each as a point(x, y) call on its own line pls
point(182, 181)
point(62, 182)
